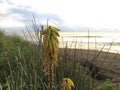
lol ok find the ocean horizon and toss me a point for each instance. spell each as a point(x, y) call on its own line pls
point(82, 40)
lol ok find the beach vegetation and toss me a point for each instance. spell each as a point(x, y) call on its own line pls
point(29, 66)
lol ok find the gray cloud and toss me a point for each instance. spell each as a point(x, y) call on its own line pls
point(17, 5)
point(25, 14)
point(9, 2)
point(49, 16)
point(1, 1)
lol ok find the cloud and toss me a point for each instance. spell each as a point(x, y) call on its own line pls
point(12, 13)
point(21, 14)
point(71, 13)
point(52, 18)
point(1, 1)
point(26, 16)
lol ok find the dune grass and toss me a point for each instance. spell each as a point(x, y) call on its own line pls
point(21, 68)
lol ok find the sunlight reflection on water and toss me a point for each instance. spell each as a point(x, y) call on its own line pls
point(92, 41)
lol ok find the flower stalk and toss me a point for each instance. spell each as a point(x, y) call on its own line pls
point(50, 49)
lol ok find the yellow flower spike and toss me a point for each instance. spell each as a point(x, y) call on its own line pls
point(70, 82)
point(50, 48)
point(67, 84)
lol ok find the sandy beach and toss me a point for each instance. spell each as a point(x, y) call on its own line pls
point(109, 63)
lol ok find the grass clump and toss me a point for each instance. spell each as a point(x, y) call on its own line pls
point(108, 85)
point(19, 63)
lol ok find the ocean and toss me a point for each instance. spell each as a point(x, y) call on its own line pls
point(109, 41)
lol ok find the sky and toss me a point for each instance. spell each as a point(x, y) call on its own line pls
point(68, 15)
